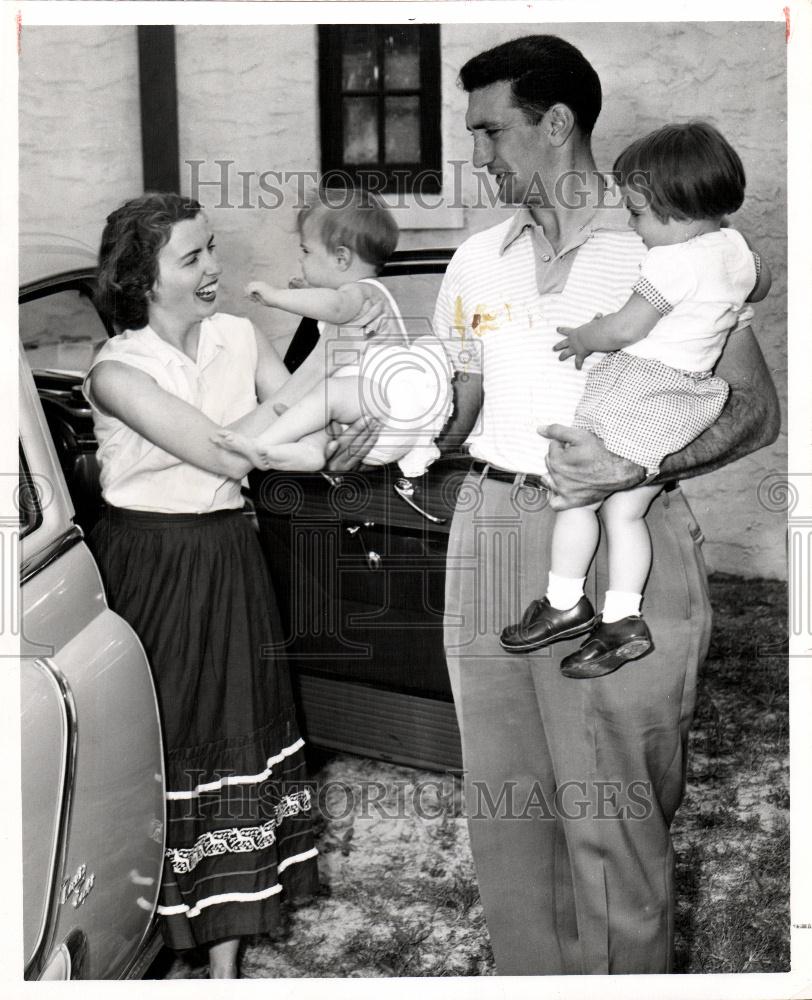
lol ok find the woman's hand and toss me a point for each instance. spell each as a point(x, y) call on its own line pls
point(581, 471)
point(344, 451)
point(366, 322)
point(347, 449)
point(372, 314)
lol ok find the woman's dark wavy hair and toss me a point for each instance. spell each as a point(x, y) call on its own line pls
point(128, 256)
point(685, 171)
point(542, 70)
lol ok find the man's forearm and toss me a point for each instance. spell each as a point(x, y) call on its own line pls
point(738, 432)
point(750, 420)
point(467, 404)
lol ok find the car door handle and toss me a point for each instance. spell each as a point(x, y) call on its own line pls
point(405, 490)
point(372, 557)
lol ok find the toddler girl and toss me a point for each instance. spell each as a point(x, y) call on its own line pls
point(405, 386)
point(654, 392)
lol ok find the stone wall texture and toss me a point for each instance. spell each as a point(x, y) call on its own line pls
point(80, 134)
point(248, 98)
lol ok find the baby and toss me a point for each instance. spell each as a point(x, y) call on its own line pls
point(654, 391)
point(405, 386)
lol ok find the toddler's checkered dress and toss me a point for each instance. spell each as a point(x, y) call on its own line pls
point(657, 395)
point(644, 410)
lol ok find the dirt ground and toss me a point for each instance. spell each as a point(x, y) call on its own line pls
point(399, 894)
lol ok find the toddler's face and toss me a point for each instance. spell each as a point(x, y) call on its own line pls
point(320, 266)
point(651, 230)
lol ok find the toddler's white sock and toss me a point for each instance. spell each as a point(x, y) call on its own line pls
point(564, 592)
point(620, 604)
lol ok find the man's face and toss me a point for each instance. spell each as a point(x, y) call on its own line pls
point(512, 150)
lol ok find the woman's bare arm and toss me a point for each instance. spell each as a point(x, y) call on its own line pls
point(167, 421)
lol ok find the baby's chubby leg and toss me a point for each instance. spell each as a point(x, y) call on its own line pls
point(248, 447)
point(332, 399)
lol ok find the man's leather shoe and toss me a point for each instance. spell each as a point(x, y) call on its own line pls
point(542, 624)
point(609, 646)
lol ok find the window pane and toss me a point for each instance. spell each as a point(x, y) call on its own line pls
point(360, 130)
point(61, 331)
point(401, 58)
point(358, 59)
point(403, 130)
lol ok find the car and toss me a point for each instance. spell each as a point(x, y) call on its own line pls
point(92, 756)
point(357, 561)
point(358, 566)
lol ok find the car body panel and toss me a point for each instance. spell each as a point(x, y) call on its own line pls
point(92, 754)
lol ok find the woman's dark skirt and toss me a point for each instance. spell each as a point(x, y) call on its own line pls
point(195, 589)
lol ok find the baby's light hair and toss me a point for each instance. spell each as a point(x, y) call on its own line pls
point(685, 171)
point(357, 220)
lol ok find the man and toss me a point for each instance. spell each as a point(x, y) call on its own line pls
point(571, 785)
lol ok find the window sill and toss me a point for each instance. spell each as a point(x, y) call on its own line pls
point(425, 211)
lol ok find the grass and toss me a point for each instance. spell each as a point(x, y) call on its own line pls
point(399, 893)
point(732, 832)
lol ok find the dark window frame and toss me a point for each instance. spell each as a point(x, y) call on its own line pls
point(28, 499)
point(424, 177)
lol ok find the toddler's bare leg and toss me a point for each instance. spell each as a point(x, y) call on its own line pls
point(575, 538)
point(624, 514)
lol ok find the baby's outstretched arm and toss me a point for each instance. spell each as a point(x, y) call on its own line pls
point(632, 322)
point(333, 305)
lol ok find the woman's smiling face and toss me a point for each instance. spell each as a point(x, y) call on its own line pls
point(188, 272)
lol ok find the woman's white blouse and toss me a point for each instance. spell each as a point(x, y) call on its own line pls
point(222, 384)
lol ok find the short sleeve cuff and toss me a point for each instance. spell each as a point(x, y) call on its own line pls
point(644, 288)
point(745, 318)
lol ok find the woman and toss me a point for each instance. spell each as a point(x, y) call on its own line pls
point(182, 564)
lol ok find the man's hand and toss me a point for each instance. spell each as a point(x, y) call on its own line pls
point(348, 448)
point(581, 471)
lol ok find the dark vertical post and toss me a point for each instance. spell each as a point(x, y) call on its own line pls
point(159, 108)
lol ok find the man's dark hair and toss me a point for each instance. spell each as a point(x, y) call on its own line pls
point(685, 171)
point(542, 70)
point(128, 257)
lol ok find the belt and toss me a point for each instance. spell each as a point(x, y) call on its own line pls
point(487, 471)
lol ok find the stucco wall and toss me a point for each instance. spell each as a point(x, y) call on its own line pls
point(248, 96)
point(80, 139)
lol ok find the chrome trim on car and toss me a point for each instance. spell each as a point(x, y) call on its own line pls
point(405, 489)
point(45, 942)
point(80, 277)
point(58, 547)
point(147, 951)
point(411, 262)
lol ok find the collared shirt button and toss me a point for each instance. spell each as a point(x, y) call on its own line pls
point(546, 258)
